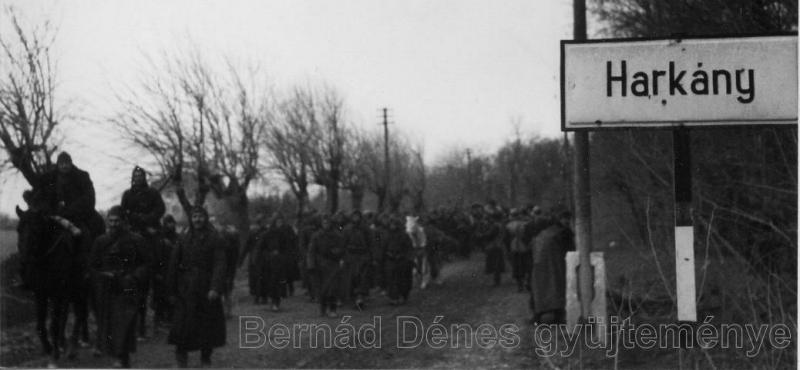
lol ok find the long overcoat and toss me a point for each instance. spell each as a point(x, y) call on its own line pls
point(359, 257)
point(275, 259)
point(326, 255)
point(292, 252)
point(254, 261)
point(118, 264)
point(549, 284)
point(399, 263)
point(70, 195)
point(495, 249)
point(197, 265)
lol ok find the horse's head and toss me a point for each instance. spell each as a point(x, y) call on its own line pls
point(31, 229)
point(35, 229)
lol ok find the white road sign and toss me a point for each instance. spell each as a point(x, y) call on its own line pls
point(689, 82)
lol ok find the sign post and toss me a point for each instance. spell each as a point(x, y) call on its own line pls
point(684, 231)
point(679, 83)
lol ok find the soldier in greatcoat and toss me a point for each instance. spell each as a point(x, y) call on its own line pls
point(439, 244)
point(326, 256)
point(493, 232)
point(275, 259)
point(520, 256)
point(252, 253)
point(359, 257)
point(380, 231)
point(197, 278)
point(68, 192)
point(398, 262)
point(231, 239)
point(167, 242)
point(307, 228)
point(292, 256)
point(549, 270)
point(118, 263)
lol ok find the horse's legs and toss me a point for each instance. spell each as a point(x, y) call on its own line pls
point(80, 306)
point(84, 312)
point(142, 309)
point(57, 326)
point(41, 322)
point(81, 310)
point(425, 275)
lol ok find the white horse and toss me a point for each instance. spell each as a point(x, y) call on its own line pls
point(422, 271)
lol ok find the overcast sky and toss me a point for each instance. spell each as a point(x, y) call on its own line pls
point(453, 73)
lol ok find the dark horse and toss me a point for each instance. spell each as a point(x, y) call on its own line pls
point(53, 266)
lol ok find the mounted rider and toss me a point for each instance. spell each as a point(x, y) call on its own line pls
point(143, 208)
point(68, 192)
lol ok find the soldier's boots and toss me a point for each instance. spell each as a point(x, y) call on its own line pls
point(360, 302)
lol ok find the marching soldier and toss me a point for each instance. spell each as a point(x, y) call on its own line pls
point(359, 258)
point(119, 264)
point(274, 264)
point(520, 256)
point(326, 256)
point(398, 257)
point(309, 226)
point(493, 232)
point(168, 242)
point(196, 279)
point(549, 270)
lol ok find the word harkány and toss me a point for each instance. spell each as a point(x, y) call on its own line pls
point(680, 82)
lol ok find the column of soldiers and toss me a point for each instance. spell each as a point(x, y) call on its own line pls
point(534, 242)
point(188, 273)
point(339, 259)
point(139, 253)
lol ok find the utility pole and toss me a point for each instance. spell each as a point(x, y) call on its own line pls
point(581, 189)
point(566, 176)
point(386, 170)
point(469, 175)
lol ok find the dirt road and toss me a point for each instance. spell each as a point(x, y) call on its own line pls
point(483, 327)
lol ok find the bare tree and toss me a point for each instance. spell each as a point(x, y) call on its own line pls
point(405, 163)
point(654, 18)
point(289, 144)
point(373, 165)
point(194, 120)
point(408, 174)
point(446, 180)
point(324, 108)
point(358, 154)
point(29, 111)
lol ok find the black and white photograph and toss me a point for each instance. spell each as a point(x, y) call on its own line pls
point(399, 184)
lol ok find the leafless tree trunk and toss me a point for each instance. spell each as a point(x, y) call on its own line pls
point(356, 166)
point(373, 164)
point(29, 111)
point(418, 182)
point(325, 110)
point(289, 142)
point(194, 120)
